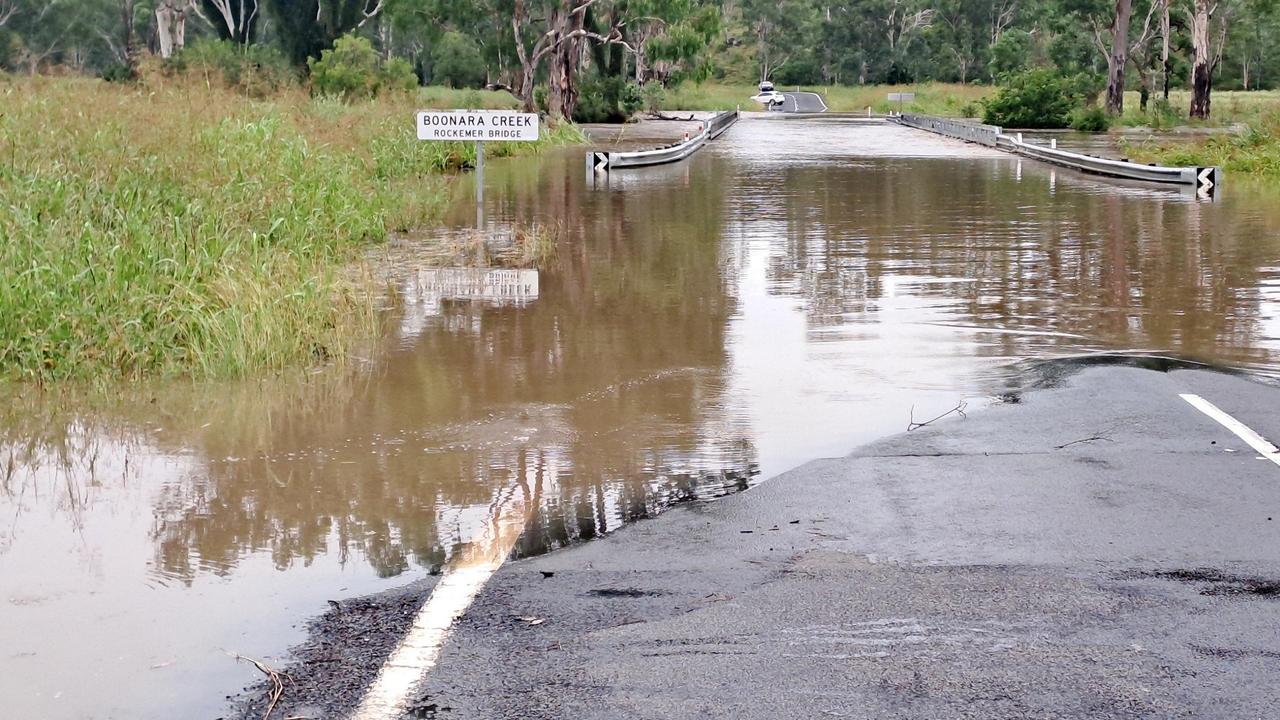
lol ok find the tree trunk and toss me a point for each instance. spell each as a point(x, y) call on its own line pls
point(1202, 65)
point(129, 37)
point(526, 88)
point(556, 22)
point(1165, 62)
point(171, 26)
point(1119, 57)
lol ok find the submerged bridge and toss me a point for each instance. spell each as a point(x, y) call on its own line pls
point(1205, 180)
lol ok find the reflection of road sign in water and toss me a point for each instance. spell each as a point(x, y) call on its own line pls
point(493, 285)
point(479, 125)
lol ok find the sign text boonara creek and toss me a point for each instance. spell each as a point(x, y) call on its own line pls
point(477, 125)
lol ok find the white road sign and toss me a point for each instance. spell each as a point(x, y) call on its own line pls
point(477, 125)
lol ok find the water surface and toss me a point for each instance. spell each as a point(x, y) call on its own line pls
point(798, 288)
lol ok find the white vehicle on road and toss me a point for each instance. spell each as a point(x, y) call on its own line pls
point(768, 97)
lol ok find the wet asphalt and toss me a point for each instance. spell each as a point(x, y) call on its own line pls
point(803, 102)
point(1093, 548)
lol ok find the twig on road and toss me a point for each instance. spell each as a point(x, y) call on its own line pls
point(1091, 438)
point(277, 681)
point(912, 424)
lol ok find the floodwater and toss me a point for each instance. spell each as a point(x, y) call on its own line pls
point(798, 288)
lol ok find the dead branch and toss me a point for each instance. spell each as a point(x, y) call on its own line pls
point(958, 409)
point(277, 681)
point(663, 116)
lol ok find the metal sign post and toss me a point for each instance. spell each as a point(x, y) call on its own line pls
point(480, 126)
point(479, 184)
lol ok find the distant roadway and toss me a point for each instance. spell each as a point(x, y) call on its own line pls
point(803, 102)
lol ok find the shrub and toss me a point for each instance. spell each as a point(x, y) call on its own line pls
point(1034, 99)
point(398, 76)
point(350, 70)
point(118, 73)
point(655, 95)
point(456, 61)
point(1163, 115)
point(611, 99)
point(1089, 119)
point(256, 70)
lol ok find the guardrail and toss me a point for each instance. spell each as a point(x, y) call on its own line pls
point(1204, 179)
point(988, 135)
point(712, 128)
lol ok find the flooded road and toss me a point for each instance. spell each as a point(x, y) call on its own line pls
point(798, 288)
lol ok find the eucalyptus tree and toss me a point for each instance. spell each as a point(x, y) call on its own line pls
point(307, 27)
point(1209, 22)
point(234, 20)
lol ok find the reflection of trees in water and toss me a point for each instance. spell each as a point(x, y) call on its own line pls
point(1123, 269)
point(599, 399)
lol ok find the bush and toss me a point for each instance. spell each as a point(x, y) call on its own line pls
point(352, 70)
point(398, 76)
point(655, 95)
point(118, 73)
point(349, 70)
point(1034, 99)
point(611, 99)
point(256, 70)
point(456, 61)
point(1162, 115)
point(1089, 119)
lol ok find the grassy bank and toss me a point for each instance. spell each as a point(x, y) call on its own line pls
point(188, 230)
point(1253, 151)
point(1229, 107)
point(931, 98)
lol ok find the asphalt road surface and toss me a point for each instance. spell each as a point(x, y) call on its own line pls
point(803, 102)
point(1107, 545)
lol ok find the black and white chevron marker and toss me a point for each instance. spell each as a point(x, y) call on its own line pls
point(1206, 181)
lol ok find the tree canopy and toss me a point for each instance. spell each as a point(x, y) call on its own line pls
point(524, 45)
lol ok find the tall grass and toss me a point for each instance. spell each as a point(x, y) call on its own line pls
point(1229, 107)
point(193, 231)
point(1254, 151)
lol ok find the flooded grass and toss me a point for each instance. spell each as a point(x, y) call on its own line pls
point(522, 246)
point(186, 230)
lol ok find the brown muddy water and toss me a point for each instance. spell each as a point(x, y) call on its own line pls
point(797, 289)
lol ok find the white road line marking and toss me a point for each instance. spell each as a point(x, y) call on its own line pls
point(402, 673)
point(1242, 431)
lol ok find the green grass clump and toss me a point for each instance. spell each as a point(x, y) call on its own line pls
point(193, 231)
point(1254, 151)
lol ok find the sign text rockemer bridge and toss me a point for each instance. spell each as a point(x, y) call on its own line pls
point(477, 125)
